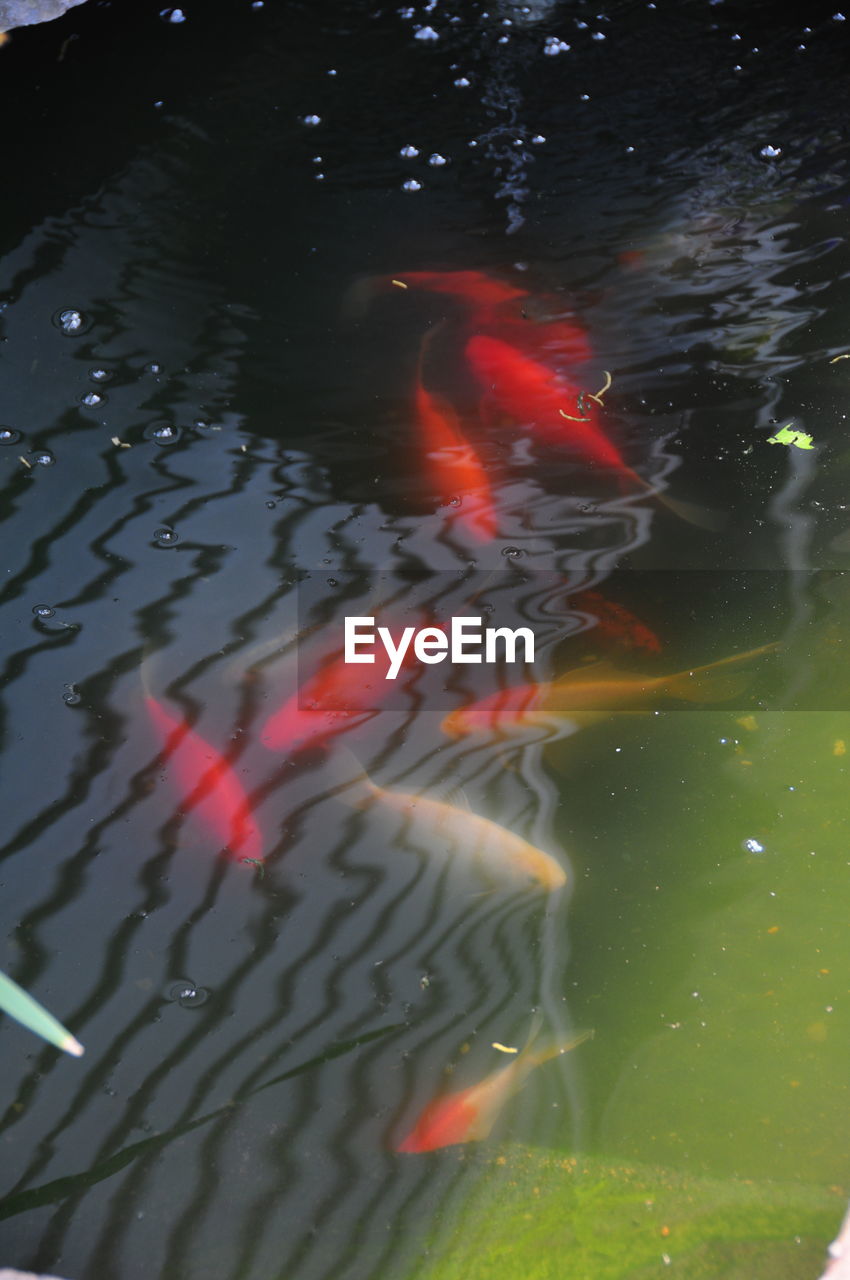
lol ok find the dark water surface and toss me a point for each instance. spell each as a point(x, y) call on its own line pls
point(205, 403)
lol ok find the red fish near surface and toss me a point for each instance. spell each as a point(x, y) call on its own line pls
point(456, 467)
point(532, 393)
point(468, 1115)
point(209, 785)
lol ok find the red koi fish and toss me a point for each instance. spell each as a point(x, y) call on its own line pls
point(533, 394)
point(615, 622)
point(457, 470)
point(208, 784)
point(468, 1115)
point(337, 698)
point(473, 287)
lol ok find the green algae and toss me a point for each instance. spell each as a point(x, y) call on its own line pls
point(543, 1216)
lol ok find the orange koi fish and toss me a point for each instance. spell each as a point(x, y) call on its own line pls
point(587, 692)
point(457, 470)
point(470, 836)
point(209, 785)
point(468, 1115)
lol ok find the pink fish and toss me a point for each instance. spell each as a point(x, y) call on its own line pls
point(208, 785)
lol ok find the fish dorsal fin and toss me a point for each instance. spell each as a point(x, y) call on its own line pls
point(458, 799)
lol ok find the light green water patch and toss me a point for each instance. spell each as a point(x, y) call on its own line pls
point(541, 1216)
point(715, 960)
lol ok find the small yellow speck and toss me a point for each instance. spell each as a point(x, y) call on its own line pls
point(501, 1160)
point(399, 284)
point(839, 747)
point(774, 928)
point(824, 971)
point(26, 463)
point(795, 1084)
point(503, 1048)
point(748, 722)
point(835, 359)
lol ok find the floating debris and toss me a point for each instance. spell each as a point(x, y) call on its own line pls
point(788, 436)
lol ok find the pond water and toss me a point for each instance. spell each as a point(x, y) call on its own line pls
point(212, 454)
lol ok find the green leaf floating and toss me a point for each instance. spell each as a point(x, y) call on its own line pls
point(787, 435)
point(15, 1001)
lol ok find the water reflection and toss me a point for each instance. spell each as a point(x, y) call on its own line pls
point(251, 435)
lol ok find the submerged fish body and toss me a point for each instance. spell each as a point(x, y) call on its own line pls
point(475, 288)
point(501, 853)
point(468, 1115)
point(208, 784)
point(587, 693)
point(338, 697)
point(457, 470)
point(535, 396)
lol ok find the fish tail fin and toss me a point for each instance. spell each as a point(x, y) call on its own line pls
point(554, 1048)
point(694, 513)
point(714, 682)
point(351, 781)
point(708, 518)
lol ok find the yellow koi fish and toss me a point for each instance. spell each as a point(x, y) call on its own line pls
point(469, 835)
point(588, 692)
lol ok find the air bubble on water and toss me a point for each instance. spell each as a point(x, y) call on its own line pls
point(538, 139)
point(584, 97)
point(8, 435)
point(41, 458)
point(70, 321)
point(554, 46)
point(100, 375)
point(311, 120)
point(91, 399)
point(503, 40)
point(257, 4)
point(187, 995)
point(752, 846)
point(153, 367)
point(426, 33)
point(461, 83)
point(318, 177)
point(838, 17)
point(331, 71)
point(72, 696)
point(411, 185)
point(317, 159)
point(436, 160)
point(162, 433)
point(43, 611)
point(332, 582)
point(454, 502)
point(629, 150)
point(409, 152)
point(770, 153)
point(165, 537)
point(512, 553)
point(172, 15)
point(598, 35)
